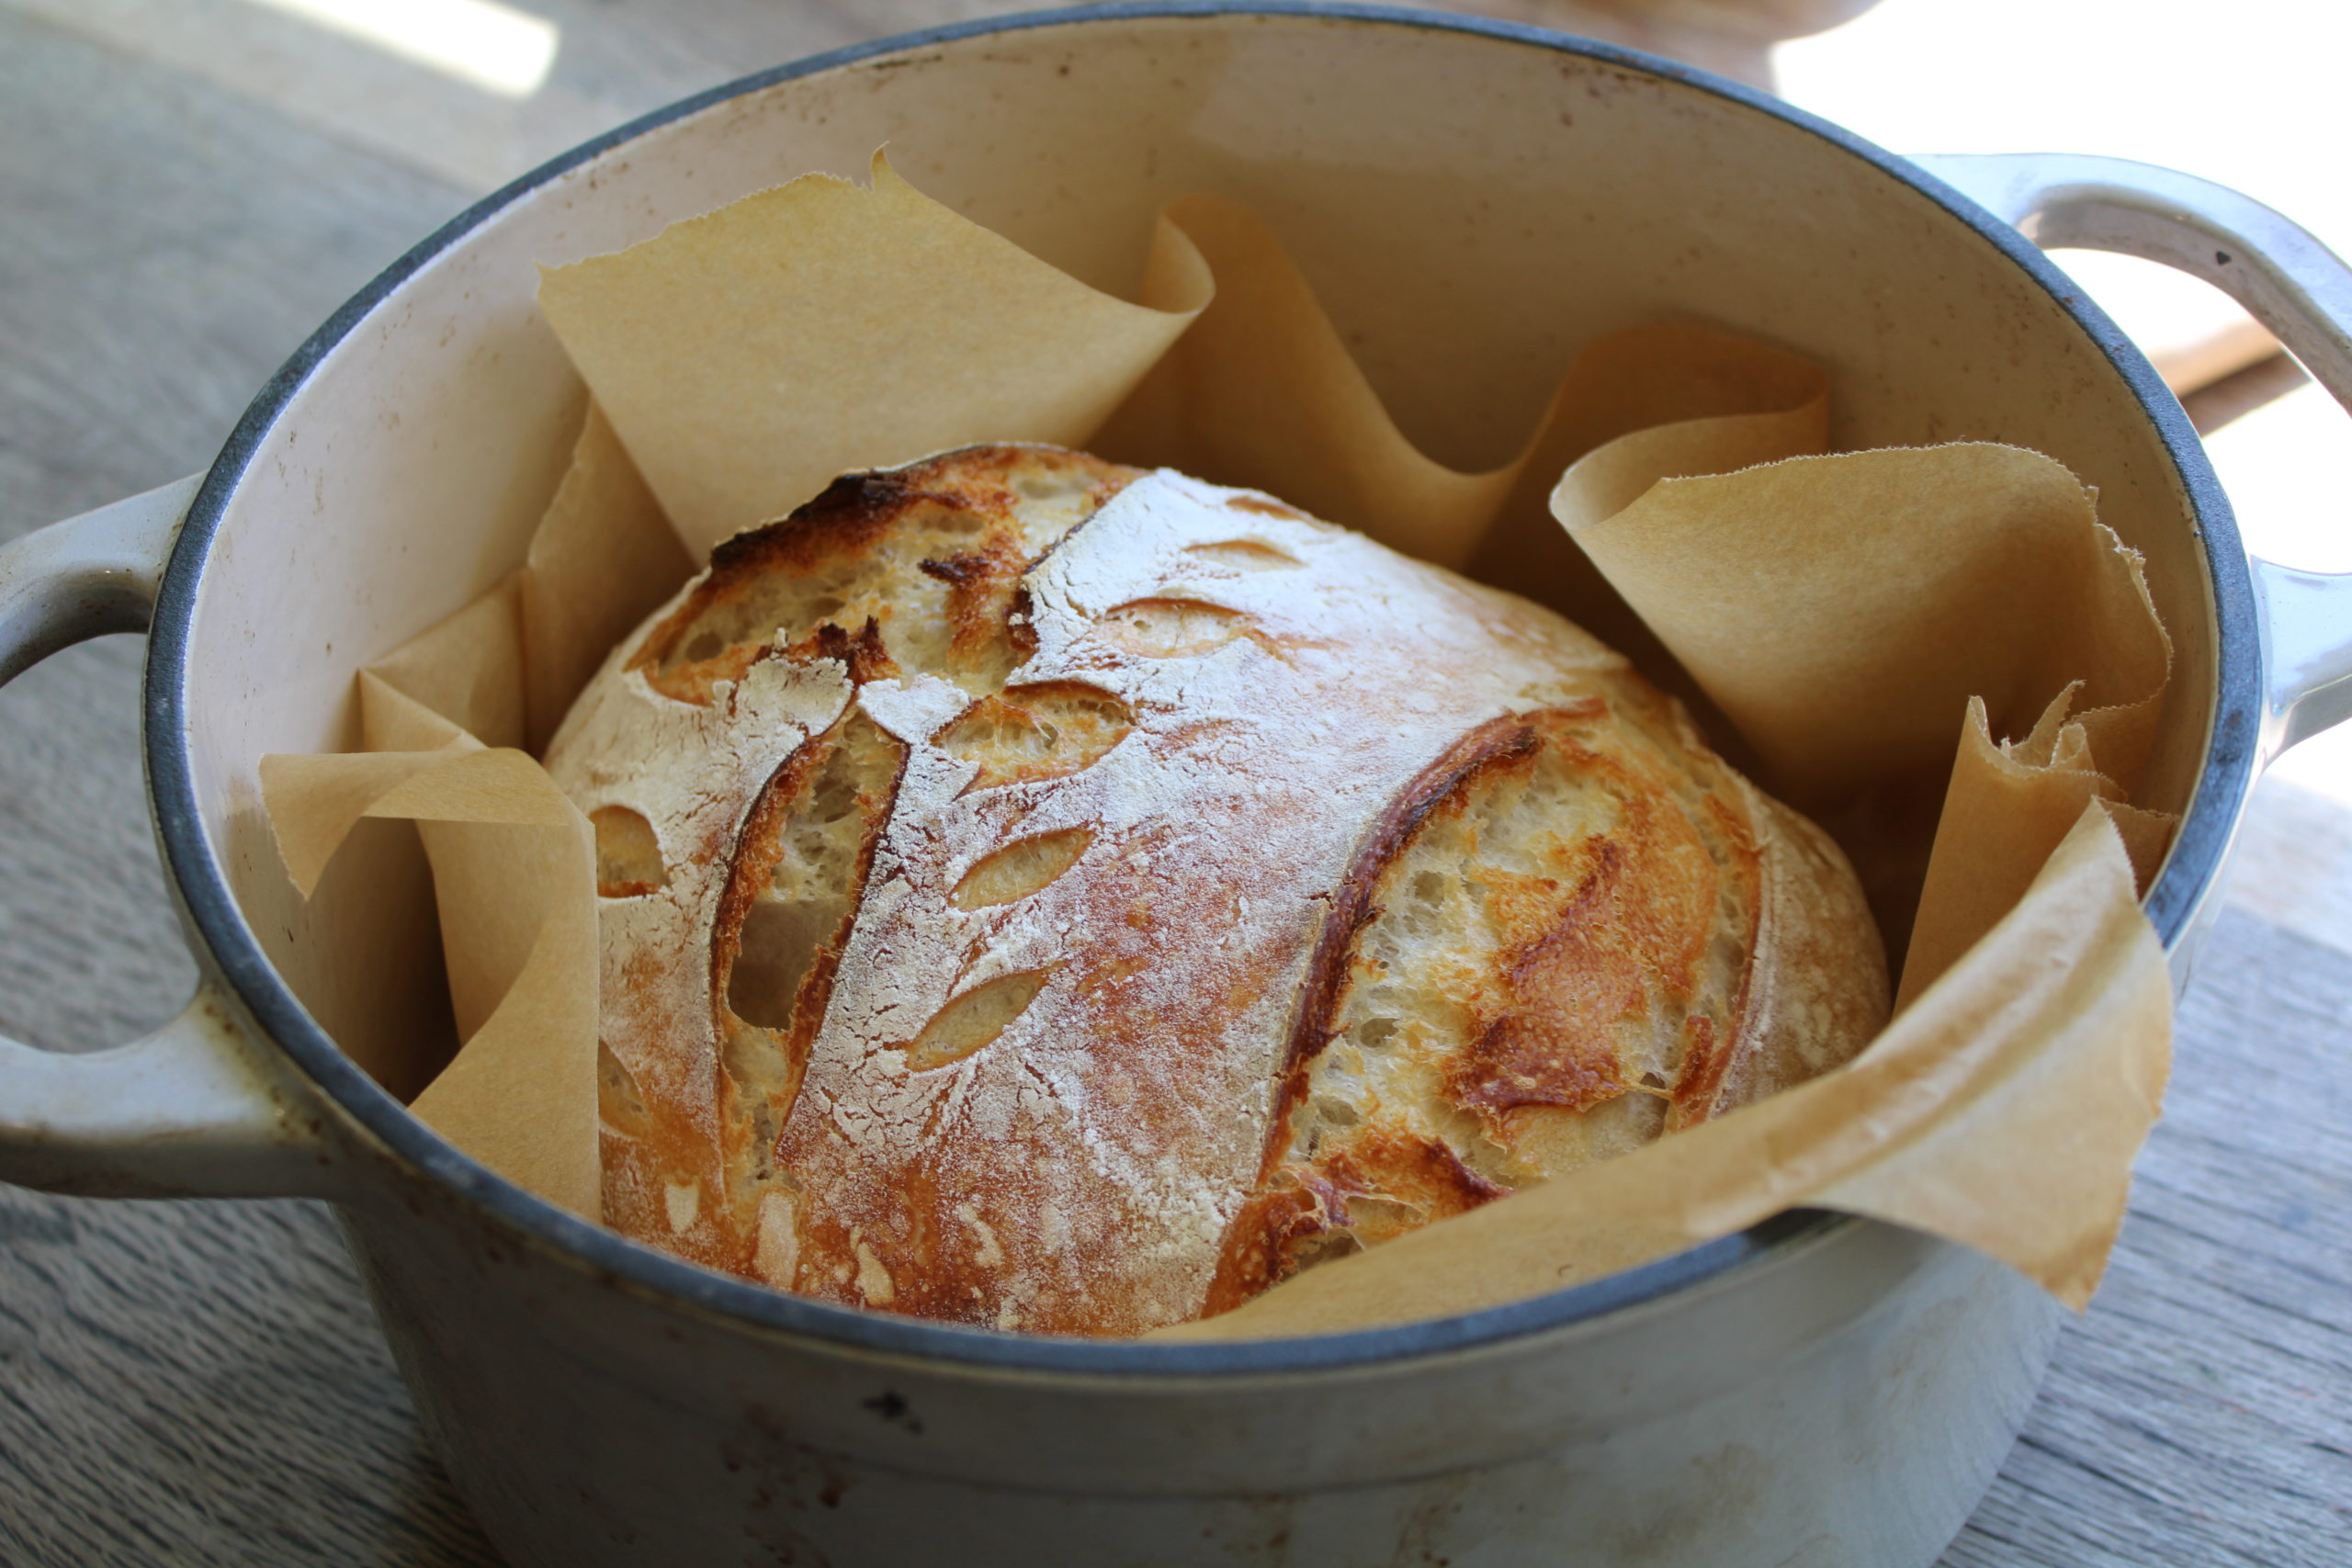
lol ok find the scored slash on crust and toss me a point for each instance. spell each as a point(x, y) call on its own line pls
point(1025, 866)
point(911, 576)
point(973, 1019)
point(1571, 899)
point(1047, 730)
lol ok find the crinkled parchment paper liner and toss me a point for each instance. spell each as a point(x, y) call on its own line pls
point(1871, 621)
point(2002, 1111)
point(514, 862)
point(1848, 613)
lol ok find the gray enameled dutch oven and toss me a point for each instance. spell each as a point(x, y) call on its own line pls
point(1474, 200)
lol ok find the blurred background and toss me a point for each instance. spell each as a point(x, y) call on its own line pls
point(460, 95)
point(453, 97)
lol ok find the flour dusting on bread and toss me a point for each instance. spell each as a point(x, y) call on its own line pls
point(1064, 898)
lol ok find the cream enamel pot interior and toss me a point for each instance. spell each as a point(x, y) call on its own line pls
point(1472, 200)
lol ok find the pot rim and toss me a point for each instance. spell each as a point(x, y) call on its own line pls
point(236, 955)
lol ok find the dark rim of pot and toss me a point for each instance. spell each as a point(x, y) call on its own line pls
point(204, 889)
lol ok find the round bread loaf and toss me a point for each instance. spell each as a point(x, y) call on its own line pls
point(1044, 895)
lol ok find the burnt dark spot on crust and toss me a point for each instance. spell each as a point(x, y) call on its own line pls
point(981, 588)
point(864, 652)
point(847, 514)
point(957, 569)
point(970, 500)
point(1021, 623)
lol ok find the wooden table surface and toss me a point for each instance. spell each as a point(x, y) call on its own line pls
point(184, 194)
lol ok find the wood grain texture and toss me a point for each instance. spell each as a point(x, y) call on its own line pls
point(2201, 1411)
point(201, 1383)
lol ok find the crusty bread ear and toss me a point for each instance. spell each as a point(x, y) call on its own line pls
point(1059, 898)
point(1576, 931)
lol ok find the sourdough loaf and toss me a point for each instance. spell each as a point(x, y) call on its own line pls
point(1044, 895)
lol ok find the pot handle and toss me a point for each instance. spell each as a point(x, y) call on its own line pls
point(2287, 280)
point(195, 1109)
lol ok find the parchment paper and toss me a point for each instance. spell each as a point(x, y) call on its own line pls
point(877, 324)
point(601, 559)
point(1868, 620)
point(514, 862)
point(2014, 1051)
point(514, 874)
point(1908, 591)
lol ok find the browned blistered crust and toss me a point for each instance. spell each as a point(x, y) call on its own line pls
point(1166, 903)
point(855, 515)
point(1594, 935)
point(692, 1094)
point(1499, 740)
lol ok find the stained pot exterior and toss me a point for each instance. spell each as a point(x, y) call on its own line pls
point(1842, 1402)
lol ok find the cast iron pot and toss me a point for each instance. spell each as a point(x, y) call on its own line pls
point(1474, 201)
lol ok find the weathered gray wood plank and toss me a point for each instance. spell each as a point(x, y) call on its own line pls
point(195, 1384)
point(203, 1384)
point(2201, 1413)
point(163, 247)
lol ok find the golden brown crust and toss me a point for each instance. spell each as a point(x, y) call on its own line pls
point(972, 497)
point(716, 747)
point(1579, 965)
point(1021, 889)
point(1818, 978)
point(1499, 741)
point(764, 1047)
